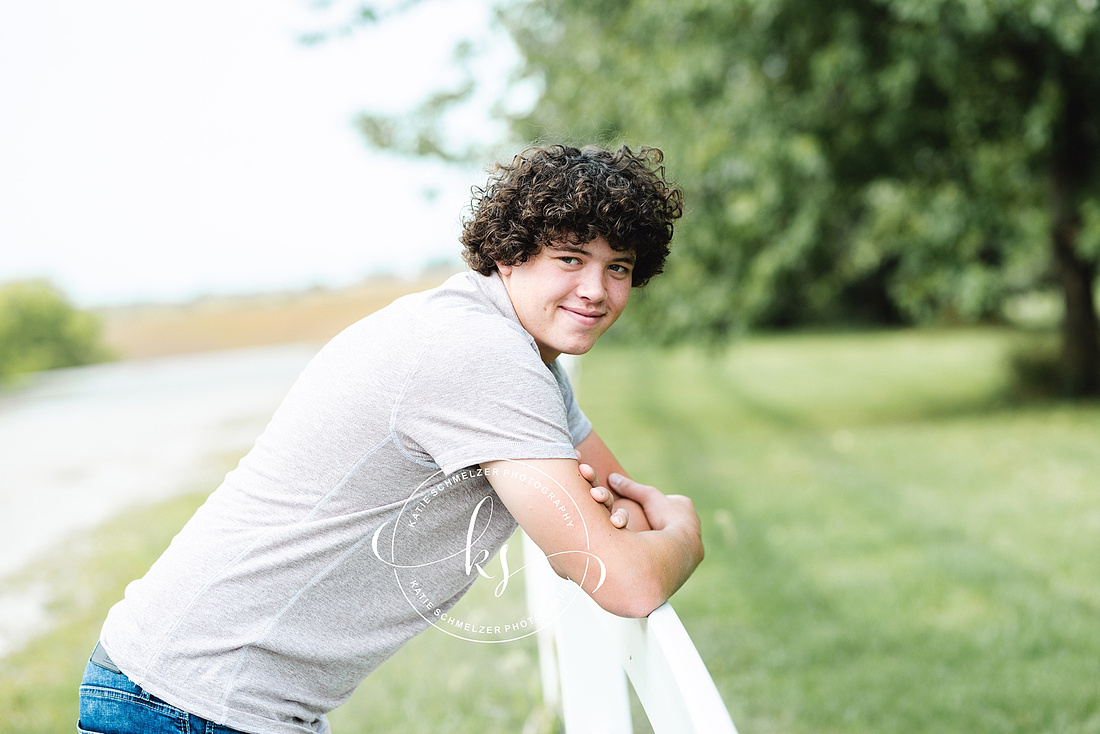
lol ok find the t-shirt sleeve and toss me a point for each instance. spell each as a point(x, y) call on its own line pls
point(481, 393)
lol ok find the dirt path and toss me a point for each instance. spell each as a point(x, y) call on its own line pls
point(78, 445)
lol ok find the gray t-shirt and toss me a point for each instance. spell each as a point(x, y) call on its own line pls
point(279, 596)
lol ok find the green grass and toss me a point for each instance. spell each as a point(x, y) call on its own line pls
point(38, 683)
point(892, 546)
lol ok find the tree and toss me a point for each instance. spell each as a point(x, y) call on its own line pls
point(879, 160)
point(39, 330)
point(892, 159)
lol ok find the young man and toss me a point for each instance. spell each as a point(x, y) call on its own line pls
point(401, 460)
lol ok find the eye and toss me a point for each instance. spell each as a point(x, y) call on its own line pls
point(620, 269)
point(570, 260)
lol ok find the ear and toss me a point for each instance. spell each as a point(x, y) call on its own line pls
point(504, 270)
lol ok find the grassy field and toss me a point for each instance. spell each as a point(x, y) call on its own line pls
point(892, 546)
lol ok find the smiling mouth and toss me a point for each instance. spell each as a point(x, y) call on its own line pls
point(588, 317)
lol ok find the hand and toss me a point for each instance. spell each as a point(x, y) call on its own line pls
point(663, 511)
point(620, 516)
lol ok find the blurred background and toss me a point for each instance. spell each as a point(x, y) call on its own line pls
point(873, 359)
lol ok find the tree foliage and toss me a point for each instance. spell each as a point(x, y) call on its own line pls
point(40, 330)
point(886, 160)
point(881, 161)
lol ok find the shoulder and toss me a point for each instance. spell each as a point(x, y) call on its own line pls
point(470, 314)
point(476, 351)
point(485, 353)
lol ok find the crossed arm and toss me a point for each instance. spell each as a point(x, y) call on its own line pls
point(565, 515)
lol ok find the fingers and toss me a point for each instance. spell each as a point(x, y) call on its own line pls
point(600, 494)
point(588, 473)
point(626, 487)
point(620, 517)
point(603, 496)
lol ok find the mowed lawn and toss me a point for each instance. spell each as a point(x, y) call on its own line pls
point(892, 546)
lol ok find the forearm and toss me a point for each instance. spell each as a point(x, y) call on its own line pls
point(626, 573)
point(649, 567)
point(678, 552)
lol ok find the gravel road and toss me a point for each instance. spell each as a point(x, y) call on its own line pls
point(78, 445)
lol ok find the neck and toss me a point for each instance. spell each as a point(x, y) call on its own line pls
point(548, 355)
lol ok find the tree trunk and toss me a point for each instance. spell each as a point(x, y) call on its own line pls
point(1080, 360)
point(1074, 158)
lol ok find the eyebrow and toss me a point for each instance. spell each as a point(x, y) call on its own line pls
point(622, 257)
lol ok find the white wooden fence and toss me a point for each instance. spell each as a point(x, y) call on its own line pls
point(587, 654)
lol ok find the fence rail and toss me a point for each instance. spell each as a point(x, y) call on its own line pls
point(588, 654)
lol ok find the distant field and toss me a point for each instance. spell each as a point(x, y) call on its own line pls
point(226, 323)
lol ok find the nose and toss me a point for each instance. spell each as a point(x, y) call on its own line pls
point(591, 285)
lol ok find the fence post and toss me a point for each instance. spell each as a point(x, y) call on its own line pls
point(581, 676)
point(584, 654)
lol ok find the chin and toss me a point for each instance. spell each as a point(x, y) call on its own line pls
point(578, 350)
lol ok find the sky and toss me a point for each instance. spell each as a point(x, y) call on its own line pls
point(161, 150)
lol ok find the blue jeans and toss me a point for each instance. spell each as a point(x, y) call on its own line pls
point(111, 704)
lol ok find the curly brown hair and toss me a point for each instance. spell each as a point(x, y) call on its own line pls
point(557, 193)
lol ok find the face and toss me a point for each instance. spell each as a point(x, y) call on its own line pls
point(568, 295)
